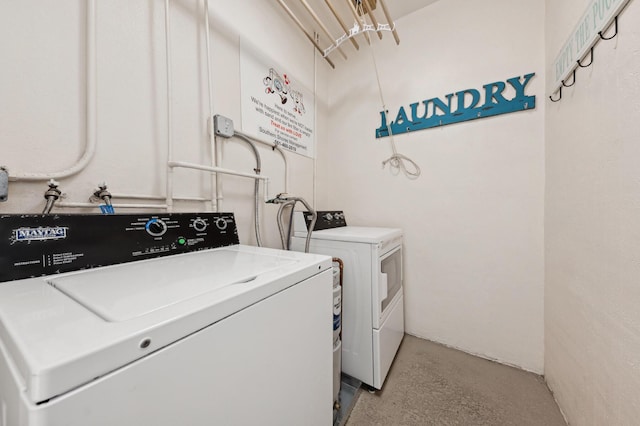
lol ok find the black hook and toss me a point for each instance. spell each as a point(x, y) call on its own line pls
point(615, 34)
point(589, 64)
point(559, 97)
point(574, 80)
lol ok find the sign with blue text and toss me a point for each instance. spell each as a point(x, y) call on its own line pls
point(500, 97)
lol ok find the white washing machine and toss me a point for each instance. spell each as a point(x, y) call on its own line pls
point(198, 336)
point(372, 293)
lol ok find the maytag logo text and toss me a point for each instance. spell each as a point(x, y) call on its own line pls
point(40, 233)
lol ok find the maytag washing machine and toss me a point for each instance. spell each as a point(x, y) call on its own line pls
point(372, 293)
point(159, 320)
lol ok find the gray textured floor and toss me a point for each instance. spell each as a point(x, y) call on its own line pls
point(430, 384)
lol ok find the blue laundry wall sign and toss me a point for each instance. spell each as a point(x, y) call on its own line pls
point(460, 106)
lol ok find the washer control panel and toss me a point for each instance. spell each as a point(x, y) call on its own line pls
point(326, 220)
point(36, 245)
point(156, 227)
point(199, 224)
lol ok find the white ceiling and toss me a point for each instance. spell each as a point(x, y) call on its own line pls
point(400, 8)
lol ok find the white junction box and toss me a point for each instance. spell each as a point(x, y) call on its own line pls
point(222, 126)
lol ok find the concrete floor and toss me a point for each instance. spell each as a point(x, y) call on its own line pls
point(430, 384)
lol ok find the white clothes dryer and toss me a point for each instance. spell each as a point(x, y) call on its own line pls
point(372, 293)
point(198, 336)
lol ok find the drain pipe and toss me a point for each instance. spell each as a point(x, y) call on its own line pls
point(51, 195)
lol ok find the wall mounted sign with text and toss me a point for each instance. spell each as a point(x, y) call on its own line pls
point(597, 17)
point(501, 97)
point(274, 106)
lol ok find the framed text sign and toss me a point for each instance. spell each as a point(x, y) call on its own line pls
point(274, 105)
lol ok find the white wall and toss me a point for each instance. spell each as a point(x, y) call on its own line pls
point(474, 220)
point(42, 110)
point(592, 320)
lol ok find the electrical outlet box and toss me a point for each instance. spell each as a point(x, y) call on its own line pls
point(222, 126)
point(4, 184)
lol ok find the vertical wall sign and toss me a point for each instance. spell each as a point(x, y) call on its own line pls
point(497, 98)
point(598, 16)
point(274, 105)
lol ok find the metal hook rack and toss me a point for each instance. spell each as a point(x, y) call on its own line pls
point(614, 34)
point(580, 64)
point(559, 97)
point(574, 80)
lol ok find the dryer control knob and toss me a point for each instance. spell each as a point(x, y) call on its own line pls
point(199, 225)
point(328, 216)
point(221, 224)
point(156, 227)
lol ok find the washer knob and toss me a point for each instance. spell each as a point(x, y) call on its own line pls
point(199, 225)
point(328, 216)
point(156, 227)
point(221, 224)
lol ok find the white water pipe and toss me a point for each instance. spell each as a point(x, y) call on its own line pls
point(215, 146)
point(185, 165)
point(315, 134)
point(219, 185)
point(115, 206)
point(91, 99)
point(169, 177)
point(157, 197)
point(69, 204)
point(212, 136)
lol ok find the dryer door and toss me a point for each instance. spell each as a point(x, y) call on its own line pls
point(389, 283)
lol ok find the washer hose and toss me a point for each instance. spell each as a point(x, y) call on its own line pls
point(283, 237)
point(291, 201)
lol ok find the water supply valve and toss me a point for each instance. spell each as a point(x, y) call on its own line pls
point(51, 195)
point(53, 192)
point(101, 193)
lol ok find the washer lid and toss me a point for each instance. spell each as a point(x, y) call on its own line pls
point(97, 321)
point(356, 234)
point(135, 289)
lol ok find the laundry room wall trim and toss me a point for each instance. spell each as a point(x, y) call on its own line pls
point(424, 115)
